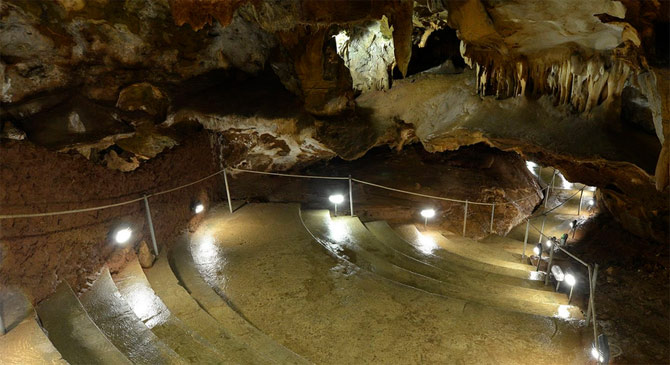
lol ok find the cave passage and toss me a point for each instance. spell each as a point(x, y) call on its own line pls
point(334, 182)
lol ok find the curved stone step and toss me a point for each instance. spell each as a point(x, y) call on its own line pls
point(470, 279)
point(507, 244)
point(151, 310)
point(469, 249)
point(118, 322)
point(346, 236)
point(418, 239)
point(331, 311)
point(27, 344)
point(388, 236)
point(182, 305)
point(73, 332)
point(185, 269)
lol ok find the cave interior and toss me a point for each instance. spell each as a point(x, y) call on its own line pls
point(340, 182)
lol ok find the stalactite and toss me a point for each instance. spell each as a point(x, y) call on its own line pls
point(574, 80)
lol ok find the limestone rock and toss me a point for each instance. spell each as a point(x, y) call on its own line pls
point(144, 97)
point(10, 132)
point(145, 256)
point(367, 51)
point(113, 161)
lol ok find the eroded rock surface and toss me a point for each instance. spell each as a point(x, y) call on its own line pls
point(285, 84)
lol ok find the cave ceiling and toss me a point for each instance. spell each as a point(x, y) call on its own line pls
point(288, 83)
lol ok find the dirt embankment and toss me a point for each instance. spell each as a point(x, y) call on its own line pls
point(38, 253)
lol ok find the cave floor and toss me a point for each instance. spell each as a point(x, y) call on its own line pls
point(274, 273)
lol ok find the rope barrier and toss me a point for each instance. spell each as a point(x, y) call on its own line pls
point(33, 215)
point(417, 194)
point(290, 175)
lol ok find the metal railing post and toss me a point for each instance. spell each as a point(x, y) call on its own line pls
point(225, 181)
point(593, 306)
point(551, 258)
point(551, 186)
point(493, 209)
point(579, 209)
point(544, 220)
point(465, 217)
point(2, 323)
point(351, 198)
point(151, 225)
point(588, 308)
point(525, 240)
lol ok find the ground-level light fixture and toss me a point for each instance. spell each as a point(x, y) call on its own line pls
point(558, 275)
point(336, 199)
point(570, 280)
point(198, 208)
point(122, 235)
point(427, 213)
point(591, 202)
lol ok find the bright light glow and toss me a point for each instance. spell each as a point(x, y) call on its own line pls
point(338, 230)
point(336, 199)
point(123, 235)
point(531, 167)
point(426, 244)
point(205, 248)
point(591, 202)
point(570, 279)
point(199, 208)
point(564, 182)
point(558, 273)
point(596, 355)
point(548, 243)
point(143, 302)
point(340, 40)
point(572, 225)
point(564, 311)
point(591, 188)
point(536, 251)
point(428, 213)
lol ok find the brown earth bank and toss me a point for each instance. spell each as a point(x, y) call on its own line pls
point(38, 253)
point(476, 173)
point(632, 292)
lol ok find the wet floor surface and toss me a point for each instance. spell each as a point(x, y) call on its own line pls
point(330, 311)
point(27, 344)
point(72, 331)
point(183, 305)
point(107, 308)
point(149, 308)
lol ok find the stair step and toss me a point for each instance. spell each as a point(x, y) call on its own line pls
point(74, 333)
point(347, 237)
point(410, 234)
point(185, 269)
point(388, 236)
point(118, 322)
point(182, 305)
point(148, 307)
point(27, 344)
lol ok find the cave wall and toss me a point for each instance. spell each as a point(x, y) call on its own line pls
point(38, 253)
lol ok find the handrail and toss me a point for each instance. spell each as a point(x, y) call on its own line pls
point(33, 215)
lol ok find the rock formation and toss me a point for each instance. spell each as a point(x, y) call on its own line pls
point(582, 86)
